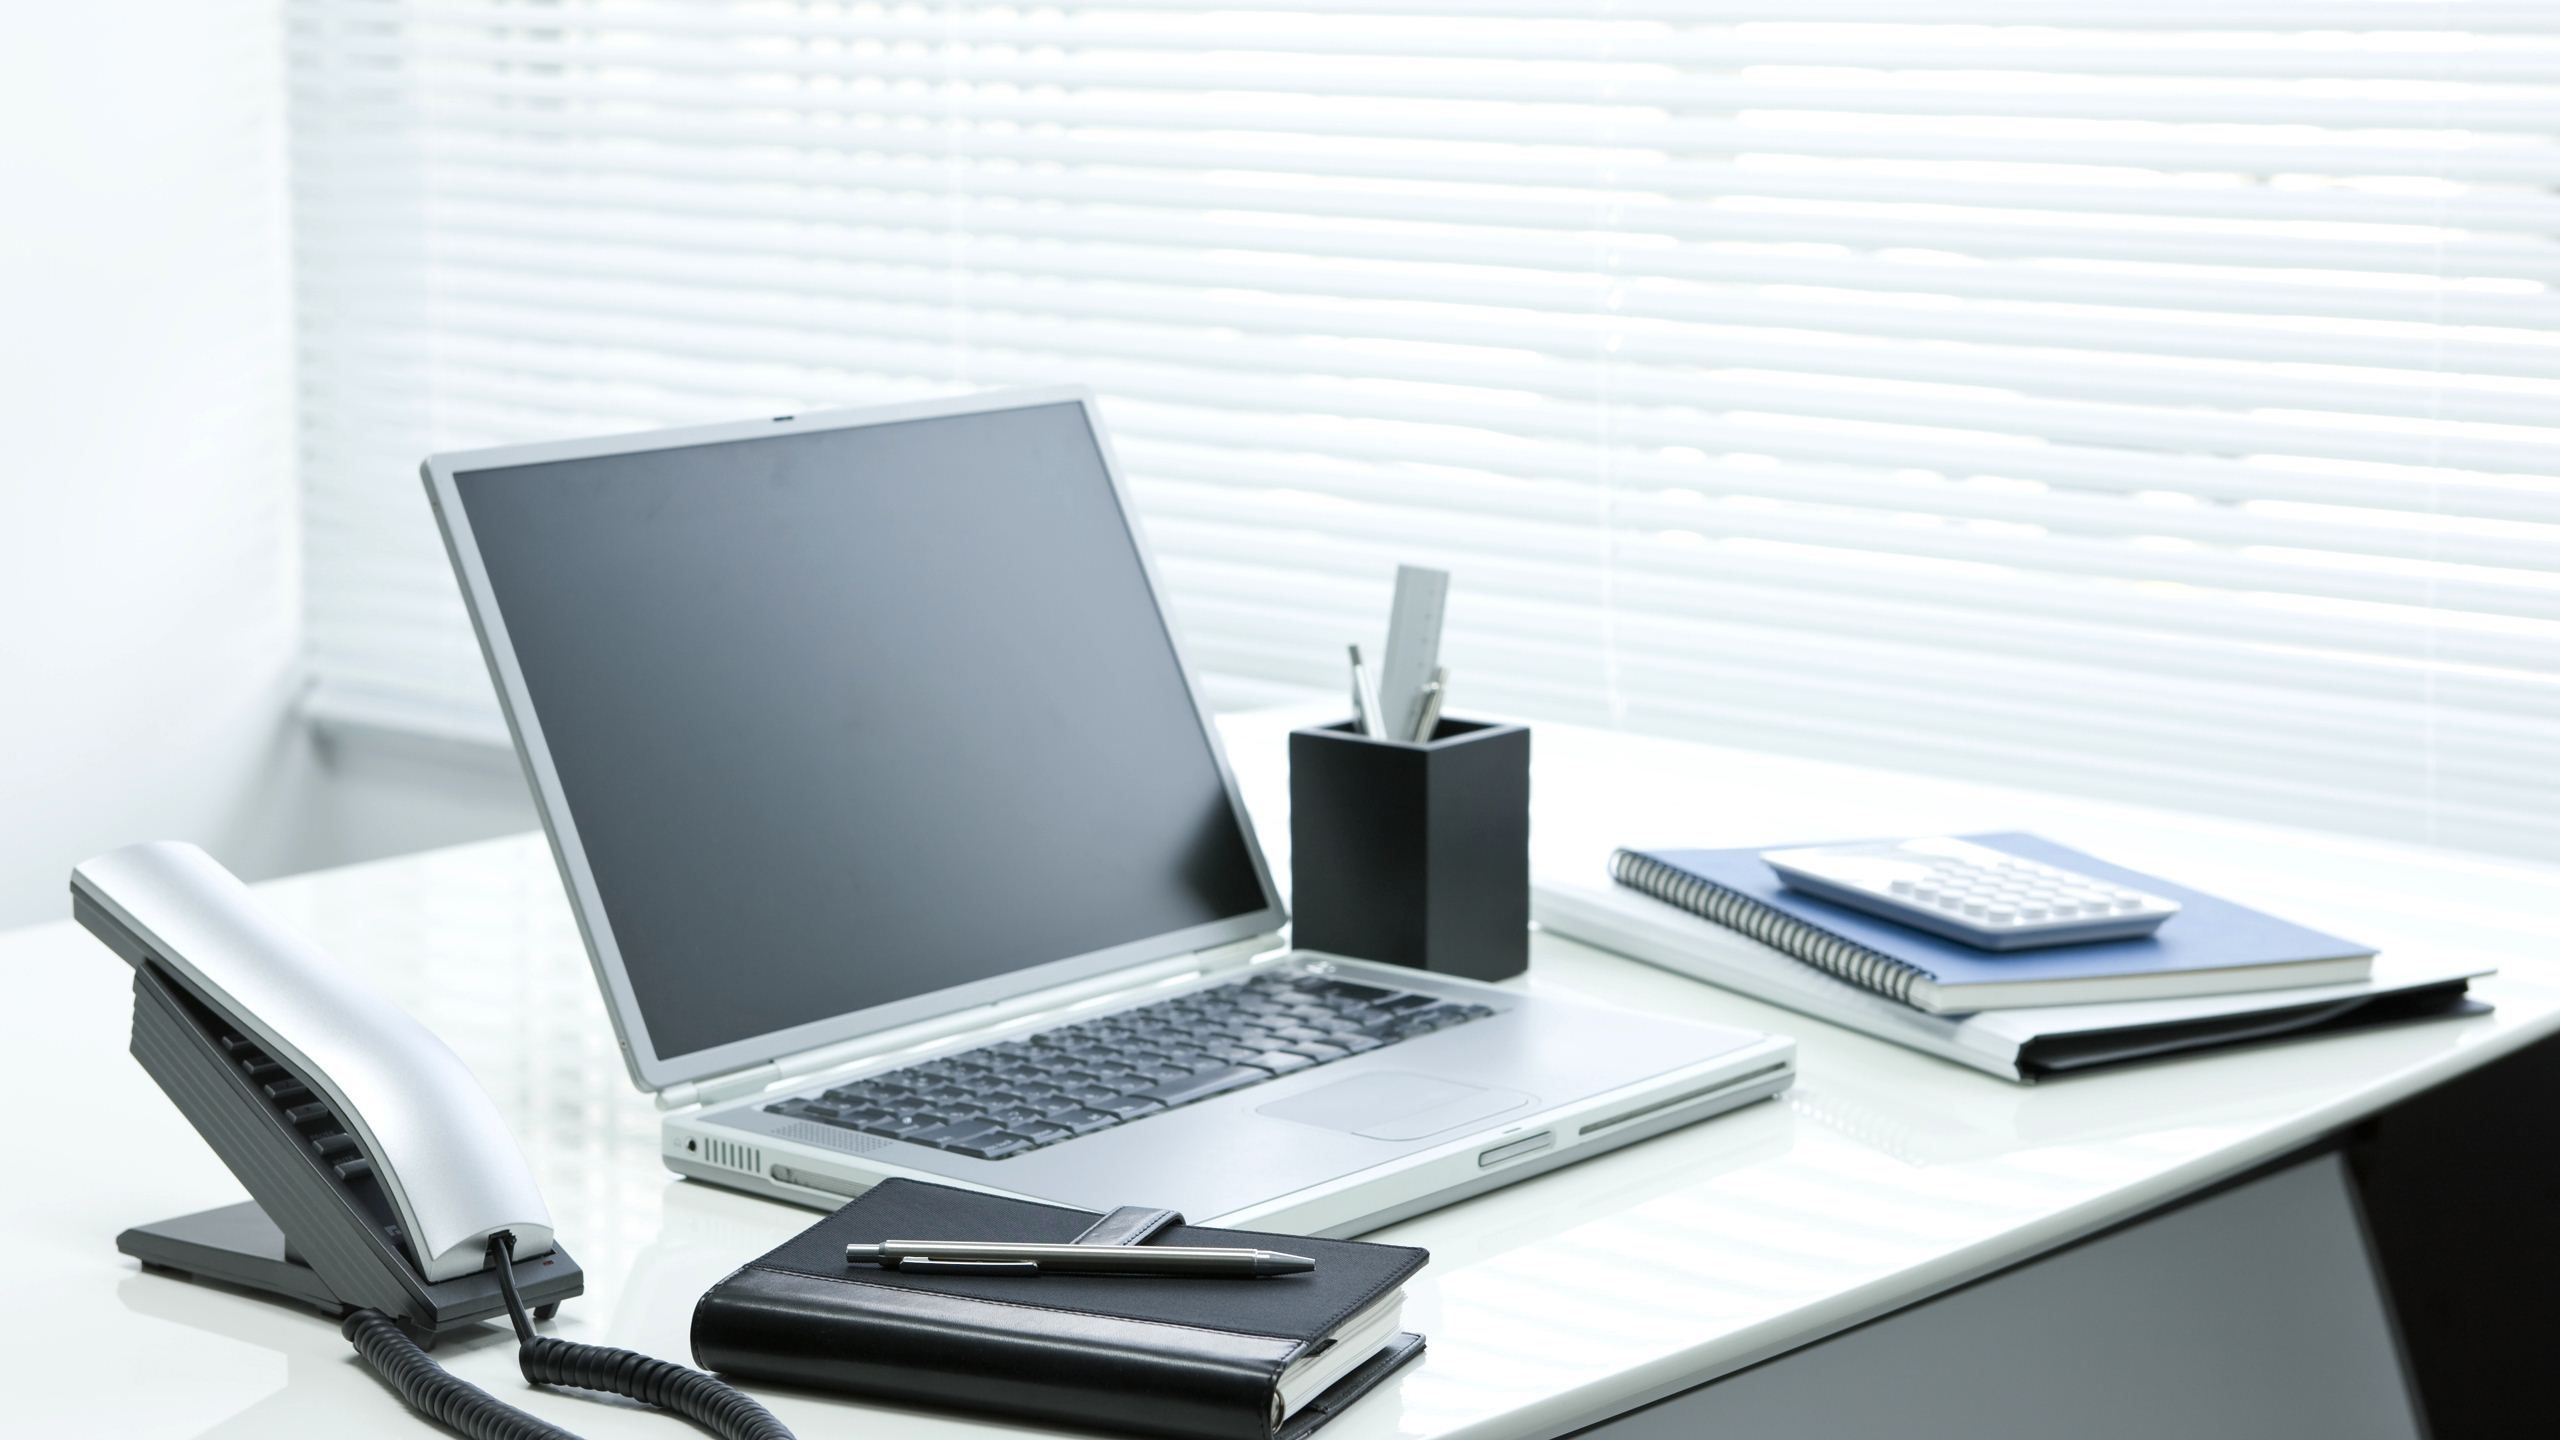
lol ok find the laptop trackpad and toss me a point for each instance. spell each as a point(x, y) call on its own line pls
point(1396, 1105)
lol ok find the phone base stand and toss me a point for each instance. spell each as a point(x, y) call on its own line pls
point(237, 1245)
point(346, 1251)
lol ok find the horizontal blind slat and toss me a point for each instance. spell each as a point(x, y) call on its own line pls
point(900, 263)
point(1706, 83)
point(2520, 158)
point(1560, 161)
point(1689, 345)
point(2526, 53)
point(2195, 21)
point(641, 187)
point(2495, 449)
point(823, 228)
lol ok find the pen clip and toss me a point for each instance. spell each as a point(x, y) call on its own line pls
point(918, 1265)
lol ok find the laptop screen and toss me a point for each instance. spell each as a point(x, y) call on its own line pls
point(846, 716)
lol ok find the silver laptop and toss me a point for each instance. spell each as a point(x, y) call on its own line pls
point(903, 845)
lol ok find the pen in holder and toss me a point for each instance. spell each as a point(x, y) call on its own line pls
point(1413, 853)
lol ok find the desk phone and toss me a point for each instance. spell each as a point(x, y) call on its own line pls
point(384, 1189)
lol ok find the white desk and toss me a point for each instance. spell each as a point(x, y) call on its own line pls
point(1883, 1178)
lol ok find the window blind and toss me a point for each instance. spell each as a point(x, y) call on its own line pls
point(2151, 401)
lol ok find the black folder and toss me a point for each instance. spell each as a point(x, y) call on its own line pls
point(1146, 1355)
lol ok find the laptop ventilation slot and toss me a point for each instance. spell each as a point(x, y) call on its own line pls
point(729, 1155)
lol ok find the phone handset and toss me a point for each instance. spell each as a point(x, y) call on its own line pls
point(414, 1118)
point(384, 1185)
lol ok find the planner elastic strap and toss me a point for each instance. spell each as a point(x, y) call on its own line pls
point(1128, 1225)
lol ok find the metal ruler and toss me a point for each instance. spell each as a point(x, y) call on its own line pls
point(1413, 647)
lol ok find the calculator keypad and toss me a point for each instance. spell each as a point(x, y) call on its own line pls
point(1971, 892)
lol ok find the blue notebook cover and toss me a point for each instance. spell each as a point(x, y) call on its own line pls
point(2207, 933)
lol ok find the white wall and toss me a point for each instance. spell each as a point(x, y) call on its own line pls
point(149, 588)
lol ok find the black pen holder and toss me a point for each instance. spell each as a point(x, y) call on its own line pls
point(1413, 853)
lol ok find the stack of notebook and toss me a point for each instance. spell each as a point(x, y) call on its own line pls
point(2216, 973)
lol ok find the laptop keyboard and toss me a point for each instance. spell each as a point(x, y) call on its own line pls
point(1020, 1095)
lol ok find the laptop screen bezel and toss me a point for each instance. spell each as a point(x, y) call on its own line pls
point(652, 1070)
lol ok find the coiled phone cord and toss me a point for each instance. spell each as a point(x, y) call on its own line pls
point(450, 1400)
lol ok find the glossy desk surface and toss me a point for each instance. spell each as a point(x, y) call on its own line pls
point(1883, 1177)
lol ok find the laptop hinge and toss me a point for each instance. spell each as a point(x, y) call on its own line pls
point(1238, 955)
point(717, 1088)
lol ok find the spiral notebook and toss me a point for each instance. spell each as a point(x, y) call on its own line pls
point(2211, 947)
point(2023, 1045)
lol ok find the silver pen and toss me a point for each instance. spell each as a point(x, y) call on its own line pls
point(1364, 700)
point(1428, 719)
point(985, 1257)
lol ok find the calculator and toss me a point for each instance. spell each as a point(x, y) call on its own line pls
point(1982, 897)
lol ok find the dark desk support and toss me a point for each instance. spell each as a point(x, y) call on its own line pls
point(2262, 1310)
point(2461, 1190)
point(2253, 1313)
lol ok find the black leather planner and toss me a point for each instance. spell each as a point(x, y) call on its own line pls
point(1146, 1355)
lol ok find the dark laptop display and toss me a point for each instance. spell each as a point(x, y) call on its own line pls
point(847, 716)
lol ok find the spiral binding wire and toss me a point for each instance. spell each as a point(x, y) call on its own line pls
point(1833, 955)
